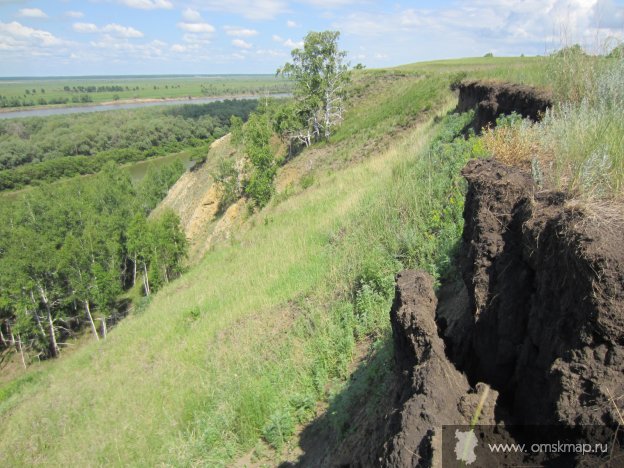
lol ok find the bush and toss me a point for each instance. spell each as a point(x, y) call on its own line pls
point(307, 181)
point(279, 428)
point(228, 178)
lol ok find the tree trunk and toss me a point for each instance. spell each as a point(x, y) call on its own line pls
point(3, 342)
point(36, 314)
point(134, 271)
point(21, 350)
point(10, 332)
point(90, 317)
point(104, 331)
point(54, 349)
point(327, 115)
point(146, 280)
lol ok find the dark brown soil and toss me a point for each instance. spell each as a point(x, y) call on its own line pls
point(546, 301)
point(490, 100)
point(538, 316)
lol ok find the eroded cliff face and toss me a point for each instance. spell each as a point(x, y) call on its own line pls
point(530, 333)
point(426, 393)
point(545, 321)
point(535, 325)
point(490, 100)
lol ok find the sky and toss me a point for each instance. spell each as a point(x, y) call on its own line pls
point(113, 37)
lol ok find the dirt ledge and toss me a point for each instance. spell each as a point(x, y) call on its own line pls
point(490, 100)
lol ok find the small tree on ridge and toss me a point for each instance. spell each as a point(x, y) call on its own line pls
point(320, 74)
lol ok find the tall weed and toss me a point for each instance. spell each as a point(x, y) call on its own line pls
point(579, 145)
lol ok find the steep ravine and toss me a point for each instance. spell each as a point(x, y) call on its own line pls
point(531, 333)
point(536, 321)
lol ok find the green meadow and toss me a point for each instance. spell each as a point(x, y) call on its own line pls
point(28, 92)
point(233, 358)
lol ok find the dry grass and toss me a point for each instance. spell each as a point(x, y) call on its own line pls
point(515, 145)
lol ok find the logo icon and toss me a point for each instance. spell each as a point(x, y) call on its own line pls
point(465, 446)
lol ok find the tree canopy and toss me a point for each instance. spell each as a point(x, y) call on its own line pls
point(320, 74)
point(67, 252)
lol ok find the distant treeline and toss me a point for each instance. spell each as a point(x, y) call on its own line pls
point(68, 251)
point(98, 89)
point(83, 93)
point(46, 149)
point(28, 101)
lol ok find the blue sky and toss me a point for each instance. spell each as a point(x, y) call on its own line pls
point(70, 37)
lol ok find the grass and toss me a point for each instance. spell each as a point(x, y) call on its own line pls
point(579, 146)
point(236, 351)
point(156, 87)
point(235, 355)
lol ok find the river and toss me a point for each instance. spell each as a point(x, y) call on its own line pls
point(44, 112)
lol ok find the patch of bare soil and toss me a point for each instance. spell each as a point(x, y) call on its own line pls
point(491, 99)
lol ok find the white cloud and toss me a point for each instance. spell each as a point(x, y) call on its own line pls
point(122, 31)
point(292, 44)
point(74, 14)
point(291, 24)
point(473, 28)
point(113, 50)
point(179, 48)
point(192, 16)
point(251, 9)
point(113, 29)
point(271, 53)
point(148, 4)
point(197, 27)
point(31, 13)
point(15, 36)
point(288, 42)
point(87, 28)
point(239, 32)
point(241, 43)
point(330, 3)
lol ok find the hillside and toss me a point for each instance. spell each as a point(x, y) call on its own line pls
point(259, 353)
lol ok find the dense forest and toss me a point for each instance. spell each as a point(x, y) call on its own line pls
point(68, 252)
point(46, 149)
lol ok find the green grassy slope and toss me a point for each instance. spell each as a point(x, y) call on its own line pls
point(241, 348)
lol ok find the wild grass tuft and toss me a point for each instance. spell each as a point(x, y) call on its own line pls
point(579, 145)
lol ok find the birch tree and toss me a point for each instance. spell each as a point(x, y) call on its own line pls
point(321, 75)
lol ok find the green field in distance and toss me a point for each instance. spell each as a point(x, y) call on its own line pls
point(60, 91)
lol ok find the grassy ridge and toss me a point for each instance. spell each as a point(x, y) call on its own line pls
point(236, 353)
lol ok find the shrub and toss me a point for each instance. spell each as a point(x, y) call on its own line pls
point(228, 178)
point(513, 141)
point(307, 181)
point(279, 428)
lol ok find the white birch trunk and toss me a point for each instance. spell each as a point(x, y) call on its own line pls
point(146, 280)
point(134, 270)
point(10, 332)
point(54, 349)
point(104, 330)
point(36, 314)
point(21, 350)
point(90, 317)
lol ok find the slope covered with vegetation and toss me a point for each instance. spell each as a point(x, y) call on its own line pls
point(231, 358)
point(38, 149)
